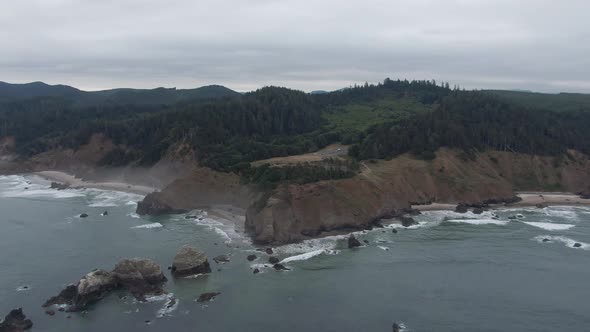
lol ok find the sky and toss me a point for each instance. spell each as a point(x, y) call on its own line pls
point(308, 45)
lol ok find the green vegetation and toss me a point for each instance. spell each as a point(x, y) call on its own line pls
point(227, 131)
point(559, 102)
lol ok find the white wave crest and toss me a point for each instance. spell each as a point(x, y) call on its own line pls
point(134, 215)
point(549, 226)
point(479, 221)
point(304, 256)
point(169, 306)
point(152, 225)
point(104, 198)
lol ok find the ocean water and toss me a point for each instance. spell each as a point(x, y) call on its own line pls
point(452, 272)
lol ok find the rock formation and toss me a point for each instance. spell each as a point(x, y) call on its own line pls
point(189, 261)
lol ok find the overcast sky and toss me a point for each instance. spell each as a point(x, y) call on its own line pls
point(309, 45)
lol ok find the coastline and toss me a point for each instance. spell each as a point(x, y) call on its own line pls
point(529, 199)
point(74, 182)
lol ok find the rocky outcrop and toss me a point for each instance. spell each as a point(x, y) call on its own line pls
point(138, 276)
point(293, 213)
point(15, 321)
point(203, 187)
point(353, 242)
point(408, 221)
point(189, 261)
point(153, 205)
point(59, 186)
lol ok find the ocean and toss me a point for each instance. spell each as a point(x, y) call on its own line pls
point(452, 272)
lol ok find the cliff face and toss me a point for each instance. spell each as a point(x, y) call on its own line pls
point(383, 189)
point(298, 212)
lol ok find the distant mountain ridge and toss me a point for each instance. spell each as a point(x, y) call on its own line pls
point(159, 96)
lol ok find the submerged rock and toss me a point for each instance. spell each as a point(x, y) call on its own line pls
point(280, 267)
point(105, 213)
point(546, 240)
point(577, 245)
point(206, 297)
point(256, 271)
point(50, 312)
point(251, 257)
point(394, 231)
point(221, 259)
point(353, 242)
point(273, 260)
point(15, 321)
point(269, 251)
point(189, 261)
point(83, 215)
point(477, 210)
point(542, 205)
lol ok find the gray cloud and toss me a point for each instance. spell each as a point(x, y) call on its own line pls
point(526, 44)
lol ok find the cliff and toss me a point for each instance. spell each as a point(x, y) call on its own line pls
point(383, 189)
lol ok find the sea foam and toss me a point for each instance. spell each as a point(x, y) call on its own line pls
point(549, 226)
point(152, 225)
point(562, 239)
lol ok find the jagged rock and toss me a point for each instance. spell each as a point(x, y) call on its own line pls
point(353, 242)
point(269, 251)
point(577, 245)
point(151, 205)
point(251, 257)
point(15, 321)
point(477, 210)
point(256, 271)
point(221, 259)
point(83, 215)
point(59, 186)
point(189, 261)
point(280, 267)
point(273, 260)
point(461, 208)
point(408, 221)
point(206, 297)
point(139, 276)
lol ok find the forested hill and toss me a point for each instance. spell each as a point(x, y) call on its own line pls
point(547, 101)
point(227, 133)
point(77, 98)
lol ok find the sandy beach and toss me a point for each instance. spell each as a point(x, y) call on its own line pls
point(75, 182)
point(528, 199)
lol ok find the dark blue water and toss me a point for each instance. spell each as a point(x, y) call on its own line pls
point(461, 275)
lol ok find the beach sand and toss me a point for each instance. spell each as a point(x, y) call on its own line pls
point(75, 182)
point(528, 199)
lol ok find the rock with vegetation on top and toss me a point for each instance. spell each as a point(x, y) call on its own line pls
point(353, 242)
point(189, 261)
point(15, 321)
